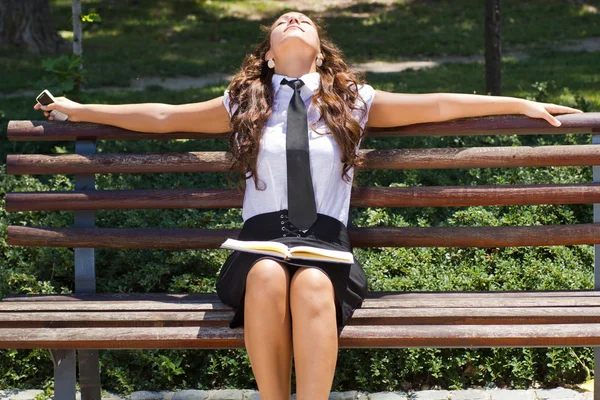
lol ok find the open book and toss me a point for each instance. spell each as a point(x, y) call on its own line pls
point(289, 253)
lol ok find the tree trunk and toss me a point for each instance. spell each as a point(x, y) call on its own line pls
point(26, 24)
point(493, 51)
point(77, 31)
point(77, 37)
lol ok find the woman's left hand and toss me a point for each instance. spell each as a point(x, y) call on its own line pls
point(545, 110)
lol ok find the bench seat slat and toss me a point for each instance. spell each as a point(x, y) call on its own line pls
point(116, 306)
point(556, 335)
point(219, 161)
point(422, 196)
point(407, 316)
point(180, 238)
point(79, 319)
point(475, 316)
point(369, 303)
point(79, 297)
point(535, 335)
point(212, 297)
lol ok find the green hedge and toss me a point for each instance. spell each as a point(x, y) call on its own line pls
point(51, 270)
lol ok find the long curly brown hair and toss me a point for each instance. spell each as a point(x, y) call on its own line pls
point(251, 91)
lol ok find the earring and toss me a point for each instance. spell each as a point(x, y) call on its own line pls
point(271, 63)
point(319, 62)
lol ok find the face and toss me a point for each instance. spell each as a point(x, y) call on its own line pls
point(293, 31)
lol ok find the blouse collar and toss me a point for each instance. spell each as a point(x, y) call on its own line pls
point(311, 83)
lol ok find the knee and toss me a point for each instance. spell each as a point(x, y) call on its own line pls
point(268, 279)
point(312, 290)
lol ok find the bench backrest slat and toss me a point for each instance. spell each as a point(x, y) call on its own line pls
point(181, 238)
point(422, 196)
point(488, 125)
point(376, 159)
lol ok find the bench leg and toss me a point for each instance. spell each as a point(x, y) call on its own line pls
point(64, 374)
point(596, 371)
point(89, 374)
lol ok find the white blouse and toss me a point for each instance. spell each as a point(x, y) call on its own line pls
point(332, 193)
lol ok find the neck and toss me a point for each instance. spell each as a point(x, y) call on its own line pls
point(294, 67)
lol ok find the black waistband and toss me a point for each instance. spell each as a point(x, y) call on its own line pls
point(276, 224)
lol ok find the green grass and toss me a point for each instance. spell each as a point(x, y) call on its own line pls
point(187, 37)
point(577, 72)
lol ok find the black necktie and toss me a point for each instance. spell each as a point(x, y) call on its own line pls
point(302, 210)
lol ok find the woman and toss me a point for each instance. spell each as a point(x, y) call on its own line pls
point(267, 292)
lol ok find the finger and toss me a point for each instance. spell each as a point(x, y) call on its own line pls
point(36, 106)
point(553, 120)
point(46, 114)
point(556, 109)
point(50, 106)
point(567, 110)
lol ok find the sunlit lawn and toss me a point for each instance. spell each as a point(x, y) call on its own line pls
point(186, 37)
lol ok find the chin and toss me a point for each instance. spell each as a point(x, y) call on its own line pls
point(297, 41)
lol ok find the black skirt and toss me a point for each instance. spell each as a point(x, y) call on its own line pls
point(349, 280)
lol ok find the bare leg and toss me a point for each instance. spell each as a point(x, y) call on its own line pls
point(315, 340)
point(267, 328)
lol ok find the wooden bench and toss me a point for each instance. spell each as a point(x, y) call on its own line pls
point(89, 321)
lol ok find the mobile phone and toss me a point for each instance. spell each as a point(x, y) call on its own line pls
point(46, 98)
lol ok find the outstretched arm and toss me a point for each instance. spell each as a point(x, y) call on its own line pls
point(206, 116)
point(397, 109)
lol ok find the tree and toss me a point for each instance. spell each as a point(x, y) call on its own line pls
point(77, 36)
point(493, 51)
point(26, 24)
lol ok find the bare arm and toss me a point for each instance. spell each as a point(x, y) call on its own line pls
point(207, 116)
point(397, 109)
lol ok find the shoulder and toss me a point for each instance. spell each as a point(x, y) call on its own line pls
point(363, 102)
point(231, 107)
point(367, 93)
point(366, 90)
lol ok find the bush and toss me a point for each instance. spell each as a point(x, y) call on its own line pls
point(50, 270)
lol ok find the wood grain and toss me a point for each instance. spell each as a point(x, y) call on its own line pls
point(180, 238)
point(422, 196)
point(453, 300)
point(363, 316)
point(375, 159)
point(352, 336)
point(45, 130)
point(213, 298)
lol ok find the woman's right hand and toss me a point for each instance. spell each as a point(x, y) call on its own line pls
point(62, 104)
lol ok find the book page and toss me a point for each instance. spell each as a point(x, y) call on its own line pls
point(321, 254)
point(246, 245)
point(318, 257)
point(281, 250)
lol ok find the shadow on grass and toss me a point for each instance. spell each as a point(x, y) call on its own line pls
point(194, 38)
